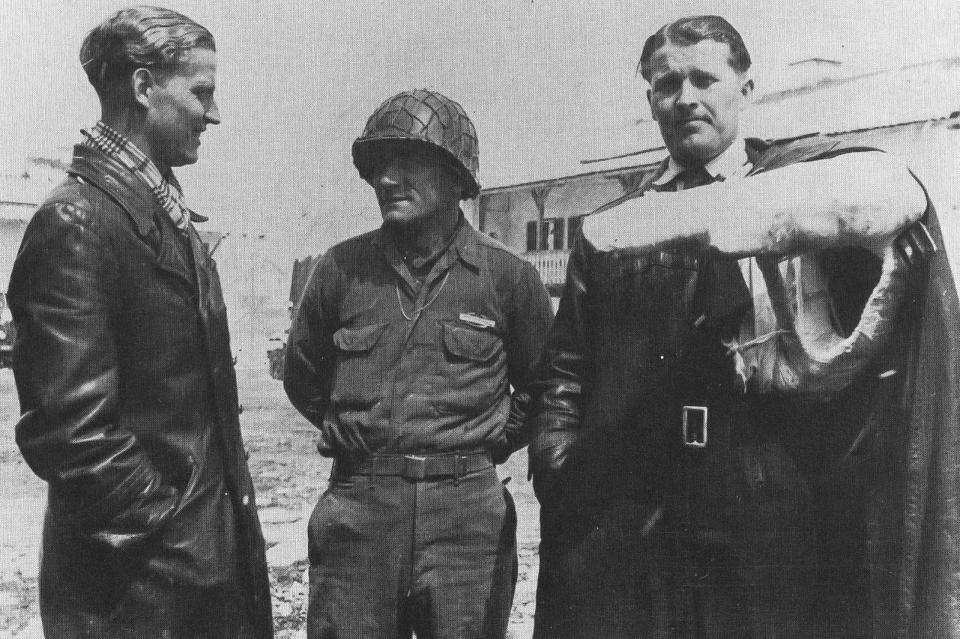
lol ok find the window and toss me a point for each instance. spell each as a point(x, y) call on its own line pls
point(557, 224)
point(550, 236)
point(532, 235)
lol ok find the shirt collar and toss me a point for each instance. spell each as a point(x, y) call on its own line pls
point(463, 244)
point(731, 163)
point(466, 243)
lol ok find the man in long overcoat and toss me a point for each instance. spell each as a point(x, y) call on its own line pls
point(123, 364)
point(704, 430)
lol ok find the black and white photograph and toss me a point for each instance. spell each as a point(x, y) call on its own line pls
point(486, 319)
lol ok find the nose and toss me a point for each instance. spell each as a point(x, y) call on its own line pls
point(212, 115)
point(387, 173)
point(689, 95)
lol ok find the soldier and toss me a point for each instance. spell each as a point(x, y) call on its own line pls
point(123, 364)
point(403, 352)
point(690, 433)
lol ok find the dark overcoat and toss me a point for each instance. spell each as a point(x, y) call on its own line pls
point(129, 400)
point(636, 348)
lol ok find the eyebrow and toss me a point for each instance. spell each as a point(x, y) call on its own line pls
point(666, 77)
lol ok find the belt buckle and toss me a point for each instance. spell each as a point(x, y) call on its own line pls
point(414, 467)
point(695, 426)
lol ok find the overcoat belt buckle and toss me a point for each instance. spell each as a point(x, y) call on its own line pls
point(414, 467)
point(695, 426)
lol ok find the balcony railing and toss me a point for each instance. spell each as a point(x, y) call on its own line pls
point(552, 266)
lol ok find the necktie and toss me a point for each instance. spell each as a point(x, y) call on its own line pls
point(721, 291)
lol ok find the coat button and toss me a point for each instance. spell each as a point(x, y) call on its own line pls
point(246, 500)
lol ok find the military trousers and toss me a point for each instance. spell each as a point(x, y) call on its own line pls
point(391, 556)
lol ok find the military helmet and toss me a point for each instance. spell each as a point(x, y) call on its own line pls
point(426, 117)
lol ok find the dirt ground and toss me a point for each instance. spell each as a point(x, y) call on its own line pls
point(289, 475)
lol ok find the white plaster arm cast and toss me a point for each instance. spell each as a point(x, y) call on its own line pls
point(857, 199)
point(861, 199)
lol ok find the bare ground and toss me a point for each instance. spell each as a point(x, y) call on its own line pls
point(289, 475)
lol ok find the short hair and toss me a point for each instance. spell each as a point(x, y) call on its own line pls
point(138, 37)
point(691, 30)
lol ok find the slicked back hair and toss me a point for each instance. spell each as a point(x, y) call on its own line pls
point(153, 38)
point(691, 30)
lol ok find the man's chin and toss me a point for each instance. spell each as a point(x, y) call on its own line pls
point(185, 159)
point(395, 219)
point(693, 150)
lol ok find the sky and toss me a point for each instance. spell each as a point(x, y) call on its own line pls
point(298, 79)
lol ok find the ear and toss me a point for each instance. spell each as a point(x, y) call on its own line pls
point(650, 103)
point(142, 83)
point(747, 88)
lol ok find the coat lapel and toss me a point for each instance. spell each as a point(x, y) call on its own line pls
point(132, 195)
point(201, 267)
point(170, 259)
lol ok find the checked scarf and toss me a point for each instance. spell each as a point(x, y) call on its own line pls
point(165, 188)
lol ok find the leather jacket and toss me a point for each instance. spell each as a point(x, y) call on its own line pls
point(127, 388)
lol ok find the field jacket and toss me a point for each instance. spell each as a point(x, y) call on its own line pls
point(382, 364)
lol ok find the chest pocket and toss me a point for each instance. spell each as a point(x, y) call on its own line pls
point(475, 370)
point(359, 368)
point(470, 343)
point(358, 340)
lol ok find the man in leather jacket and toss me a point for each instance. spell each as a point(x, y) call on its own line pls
point(123, 364)
point(676, 499)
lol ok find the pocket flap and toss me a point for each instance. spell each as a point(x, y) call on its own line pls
point(470, 343)
point(358, 339)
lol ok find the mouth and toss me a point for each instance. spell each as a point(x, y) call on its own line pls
point(393, 199)
point(691, 121)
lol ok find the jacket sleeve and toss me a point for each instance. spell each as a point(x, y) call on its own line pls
point(61, 293)
point(559, 386)
point(530, 319)
point(311, 354)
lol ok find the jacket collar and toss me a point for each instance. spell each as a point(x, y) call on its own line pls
point(755, 148)
point(128, 191)
point(466, 244)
